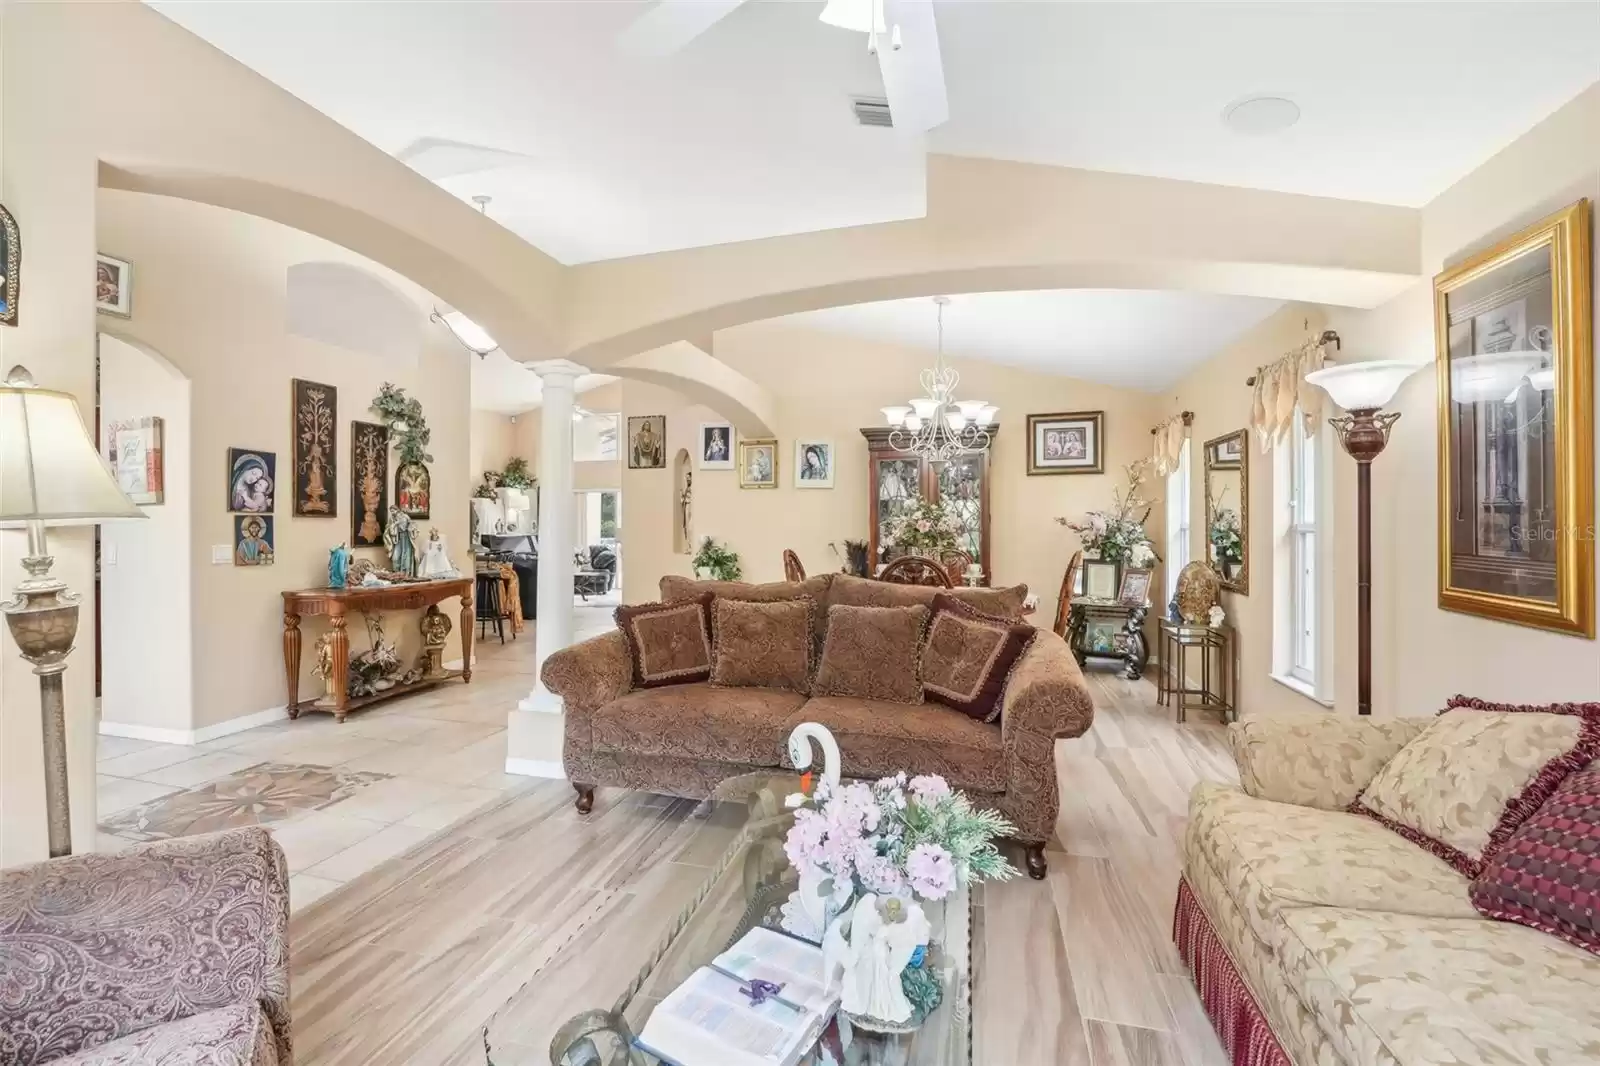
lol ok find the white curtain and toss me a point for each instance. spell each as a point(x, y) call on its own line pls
point(1280, 388)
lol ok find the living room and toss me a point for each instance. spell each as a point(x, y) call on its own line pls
point(1116, 576)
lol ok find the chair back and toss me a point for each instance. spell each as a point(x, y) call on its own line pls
point(915, 570)
point(1069, 580)
point(955, 563)
point(792, 570)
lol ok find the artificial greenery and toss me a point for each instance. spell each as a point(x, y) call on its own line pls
point(408, 428)
point(967, 834)
point(515, 475)
point(921, 985)
point(721, 561)
point(486, 487)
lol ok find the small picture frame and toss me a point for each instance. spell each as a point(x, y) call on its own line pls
point(1066, 442)
point(134, 449)
point(113, 286)
point(716, 446)
point(813, 464)
point(1099, 579)
point(1100, 636)
point(647, 442)
point(758, 463)
point(1135, 591)
point(252, 481)
point(252, 540)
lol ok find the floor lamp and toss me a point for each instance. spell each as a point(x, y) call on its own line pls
point(1362, 389)
point(50, 474)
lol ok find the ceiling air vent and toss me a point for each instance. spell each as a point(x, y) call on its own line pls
point(872, 111)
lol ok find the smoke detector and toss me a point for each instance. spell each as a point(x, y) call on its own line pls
point(1261, 115)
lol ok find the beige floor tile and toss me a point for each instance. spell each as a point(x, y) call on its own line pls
point(111, 747)
point(267, 743)
point(353, 861)
point(114, 794)
point(305, 889)
point(105, 843)
point(141, 762)
point(396, 726)
point(315, 836)
point(333, 750)
point(438, 815)
point(453, 736)
point(200, 770)
point(393, 800)
point(396, 759)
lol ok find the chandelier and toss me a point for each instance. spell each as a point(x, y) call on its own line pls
point(938, 427)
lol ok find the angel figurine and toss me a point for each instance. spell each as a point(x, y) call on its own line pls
point(435, 562)
point(884, 934)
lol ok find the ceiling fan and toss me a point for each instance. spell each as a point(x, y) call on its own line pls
point(901, 33)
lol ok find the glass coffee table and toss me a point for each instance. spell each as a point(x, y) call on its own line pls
point(741, 830)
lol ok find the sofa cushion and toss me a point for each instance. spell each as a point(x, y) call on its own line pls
point(1274, 857)
point(968, 656)
point(854, 591)
point(700, 721)
point(877, 738)
point(873, 653)
point(229, 1036)
point(1479, 770)
point(675, 587)
point(1548, 874)
point(763, 645)
point(1416, 991)
point(668, 643)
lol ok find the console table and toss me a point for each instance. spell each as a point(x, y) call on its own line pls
point(1093, 619)
point(336, 604)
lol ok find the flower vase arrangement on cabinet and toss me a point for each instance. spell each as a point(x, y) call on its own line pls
point(1226, 546)
point(926, 528)
point(1117, 535)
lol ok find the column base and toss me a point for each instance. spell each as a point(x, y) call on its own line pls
point(533, 743)
point(541, 701)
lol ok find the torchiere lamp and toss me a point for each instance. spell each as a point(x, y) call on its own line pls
point(50, 474)
point(1362, 389)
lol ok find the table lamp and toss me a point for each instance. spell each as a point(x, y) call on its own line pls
point(1362, 389)
point(50, 474)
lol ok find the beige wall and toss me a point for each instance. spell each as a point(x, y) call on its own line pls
point(490, 442)
point(213, 303)
point(829, 387)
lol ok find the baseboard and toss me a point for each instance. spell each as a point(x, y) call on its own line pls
point(193, 736)
point(536, 768)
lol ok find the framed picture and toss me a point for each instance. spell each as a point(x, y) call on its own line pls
point(1068, 442)
point(316, 464)
point(1135, 591)
point(252, 540)
point(134, 448)
point(10, 267)
point(1099, 579)
point(647, 442)
point(252, 481)
point(113, 286)
point(813, 464)
point(412, 487)
point(369, 483)
point(716, 446)
point(1100, 636)
point(758, 464)
point(1513, 330)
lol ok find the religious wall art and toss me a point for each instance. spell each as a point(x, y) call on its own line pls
point(252, 480)
point(252, 540)
point(412, 487)
point(316, 463)
point(1513, 330)
point(647, 442)
point(1067, 442)
point(133, 446)
point(409, 433)
point(113, 286)
point(369, 483)
point(10, 267)
point(716, 446)
point(758, 464)
point(813, 464)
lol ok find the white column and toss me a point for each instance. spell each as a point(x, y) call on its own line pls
point(533, 746)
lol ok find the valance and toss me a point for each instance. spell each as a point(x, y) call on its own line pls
point(1167, 442)
point(1280, 387)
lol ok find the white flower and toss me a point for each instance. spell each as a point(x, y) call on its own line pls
point(794, 799)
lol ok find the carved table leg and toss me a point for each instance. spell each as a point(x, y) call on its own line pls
point(291, 659)
point(585, 802)
point(466, 637)
point(339, 643)
point(1036, 864)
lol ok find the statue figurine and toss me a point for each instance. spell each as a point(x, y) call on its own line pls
point(435, 626)
point(884, 934)
point(324, 670)
point(435, 562)
point(339, 567)
point(400, 539)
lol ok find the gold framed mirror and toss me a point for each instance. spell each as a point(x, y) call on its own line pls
point(1227, 467)
point(1515, 369)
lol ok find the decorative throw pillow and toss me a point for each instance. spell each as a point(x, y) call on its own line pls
point(873, 653)
point(675, 587)
point(1548, 874)
point(1479, 770)
point(763, 645)
point(865, 592)
point(669, 643)
point(968, 657)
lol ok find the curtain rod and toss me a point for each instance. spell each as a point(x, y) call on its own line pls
point(1328, 337)
point(1188, 420)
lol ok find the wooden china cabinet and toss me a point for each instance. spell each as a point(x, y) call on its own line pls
point(897, 480)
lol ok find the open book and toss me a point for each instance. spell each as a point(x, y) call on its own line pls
point(711, 1019)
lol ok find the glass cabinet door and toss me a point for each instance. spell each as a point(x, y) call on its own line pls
point(899, 483)
point(960, 486)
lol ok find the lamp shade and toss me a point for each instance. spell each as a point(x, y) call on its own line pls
point(1363, 386)
point(50, 470)
point(472, 336)
point(1494, 377)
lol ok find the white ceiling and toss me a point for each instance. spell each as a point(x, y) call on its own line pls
point(1132, 338)
point(501, 384)
point(747, 132)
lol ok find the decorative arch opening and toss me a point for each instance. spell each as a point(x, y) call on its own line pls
point(353, 308)
point(683, 504)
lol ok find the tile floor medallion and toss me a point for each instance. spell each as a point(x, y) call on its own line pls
point(258, 795)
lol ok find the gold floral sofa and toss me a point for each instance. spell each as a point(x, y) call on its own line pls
point(1319, 937)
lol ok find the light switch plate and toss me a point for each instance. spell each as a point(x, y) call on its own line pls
point(108, 553)
point(221, 554)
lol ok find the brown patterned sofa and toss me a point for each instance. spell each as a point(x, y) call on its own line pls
point(683, 740)
point(166, 954)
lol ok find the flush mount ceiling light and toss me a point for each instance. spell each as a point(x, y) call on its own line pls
point(471, 336)
point(1261, 115)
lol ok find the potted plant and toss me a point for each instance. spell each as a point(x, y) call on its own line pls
point(720, 561)
point(516, 475)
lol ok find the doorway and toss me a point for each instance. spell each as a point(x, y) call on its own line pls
point(597, 533)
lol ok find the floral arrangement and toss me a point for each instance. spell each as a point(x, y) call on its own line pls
point(926, 527)
point(486, 487)
point(403, 415)
point(719, 560)
point(1116, 535)
point(1225, 536)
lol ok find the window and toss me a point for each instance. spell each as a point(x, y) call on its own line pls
point(1304, 573)
point(594, 436)
point(1177, 553)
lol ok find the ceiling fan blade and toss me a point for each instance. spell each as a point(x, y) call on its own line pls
point(913, 74)
point(671, 24)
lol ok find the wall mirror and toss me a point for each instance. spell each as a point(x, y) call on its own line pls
point(1228, 509)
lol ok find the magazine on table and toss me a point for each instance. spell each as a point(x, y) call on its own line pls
point(763, 1002)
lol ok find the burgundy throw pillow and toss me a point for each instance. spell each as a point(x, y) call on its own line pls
point(668, 643)
point(968, 657)
point(1548, 874)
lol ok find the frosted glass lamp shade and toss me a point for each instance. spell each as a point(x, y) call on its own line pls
point(987, 414)
point(50, 470)
point(472, 336)
point(969, 409)
point(913, 423)
point(1477, 378)
point(895, 416)
point(924, 408)
point(954, 420)
point(1363, 386)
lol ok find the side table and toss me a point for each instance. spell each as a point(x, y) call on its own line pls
point(1218, 687)
point(1103, 628)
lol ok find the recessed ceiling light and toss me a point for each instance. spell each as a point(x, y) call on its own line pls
point(1257, 115)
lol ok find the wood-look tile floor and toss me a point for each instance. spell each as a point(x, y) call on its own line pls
point(403, 964)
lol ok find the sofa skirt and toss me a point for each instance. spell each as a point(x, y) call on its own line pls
point(1234, 1013)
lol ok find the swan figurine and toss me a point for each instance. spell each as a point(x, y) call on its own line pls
point(800, 751)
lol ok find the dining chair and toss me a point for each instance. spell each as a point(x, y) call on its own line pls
point(792, 570)
point(1064, 602)
point(916, 570)
point(955, 563)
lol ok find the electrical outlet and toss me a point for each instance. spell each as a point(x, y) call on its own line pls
point(221, 554)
